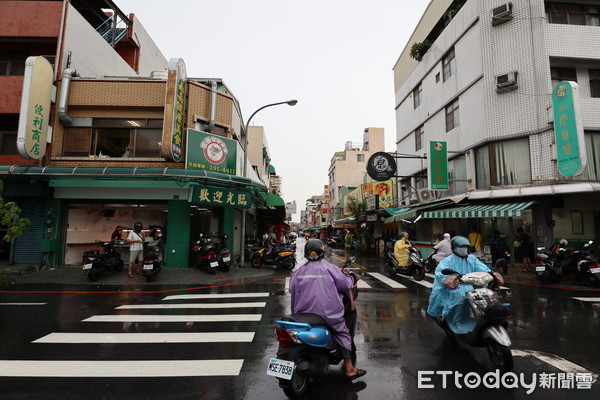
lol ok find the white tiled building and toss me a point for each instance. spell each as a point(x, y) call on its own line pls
point(484, 86)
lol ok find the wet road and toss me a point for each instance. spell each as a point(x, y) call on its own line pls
point(169, 343)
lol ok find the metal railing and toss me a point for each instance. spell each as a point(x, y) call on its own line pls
point(113, 29)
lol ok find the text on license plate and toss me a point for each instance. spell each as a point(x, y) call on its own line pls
point(280, 368)
point(214, 264)
point(87, 266)
point(595, 270)
point(226, 259)
point(148, 266)
point(540, 269)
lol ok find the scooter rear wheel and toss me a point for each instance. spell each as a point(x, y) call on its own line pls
point(500, 355)
point(255, 263)
point(93, 274)
point(390, 270)
point(297, 387)
point(418, 273)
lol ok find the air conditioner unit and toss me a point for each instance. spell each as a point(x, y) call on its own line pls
point(509, 79)
point(425, 195)
point(502, 14)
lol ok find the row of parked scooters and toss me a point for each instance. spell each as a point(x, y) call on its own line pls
point(211, 255)
point(552, 266)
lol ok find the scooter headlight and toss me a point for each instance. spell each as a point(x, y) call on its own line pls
point(480, 280)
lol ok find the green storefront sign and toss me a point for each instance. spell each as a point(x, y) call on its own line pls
point(568, 129)
point(438, 166)
point(220, 197)
point(210, 152)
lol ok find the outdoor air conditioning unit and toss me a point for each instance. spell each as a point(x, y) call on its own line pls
point(502, 14)
point(425, 195)
point(505, 80)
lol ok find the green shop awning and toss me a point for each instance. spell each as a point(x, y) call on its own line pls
point(272, 200)
point(393, 212)
point(272, 170)
point(413, 212)
point(481, 211)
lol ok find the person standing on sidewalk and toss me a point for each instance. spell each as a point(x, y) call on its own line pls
point(136, 247)
point(476, 242)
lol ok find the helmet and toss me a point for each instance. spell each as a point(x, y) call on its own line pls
point(403, 235)
point(137, 227)
point(314, 250)
point(564, 242)
point(460, 246)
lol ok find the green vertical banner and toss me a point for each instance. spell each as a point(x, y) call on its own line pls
point(568, 129)
point(438, 166)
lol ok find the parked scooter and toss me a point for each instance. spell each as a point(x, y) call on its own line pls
point(269, 254)
point(306, 348)
point(588, 268)
point(416, 267)
point(96, 264)
point(336, 242)
point(490, 315)
point(223, 253)
point(549, 267)
point(151, 265)
point(204, 255)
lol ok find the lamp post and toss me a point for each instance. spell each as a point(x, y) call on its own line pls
point(244, 173)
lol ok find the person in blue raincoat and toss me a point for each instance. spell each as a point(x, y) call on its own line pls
point(448, 299)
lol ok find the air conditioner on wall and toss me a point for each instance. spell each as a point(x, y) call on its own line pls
point(502, 14)
point(425, 195)
point(506, 80)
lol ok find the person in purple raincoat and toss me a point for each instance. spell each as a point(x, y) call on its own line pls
point(316, 288)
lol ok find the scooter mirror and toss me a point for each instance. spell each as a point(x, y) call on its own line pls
point(448, 271)
point(352, 260)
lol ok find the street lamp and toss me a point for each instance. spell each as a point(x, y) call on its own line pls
point(244, 173)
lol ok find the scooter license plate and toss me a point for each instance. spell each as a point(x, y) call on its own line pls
point(87, 266)
point(148, 267)
point(540, 269)
point(226, 259)
point(214, 264)
point(595, 270)
point(280, 368)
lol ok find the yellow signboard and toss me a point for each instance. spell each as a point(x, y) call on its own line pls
point(35, 108)
point(174, 116)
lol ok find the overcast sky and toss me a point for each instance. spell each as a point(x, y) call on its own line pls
point(334, 56)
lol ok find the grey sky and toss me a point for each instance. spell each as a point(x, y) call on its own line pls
point(334, 56)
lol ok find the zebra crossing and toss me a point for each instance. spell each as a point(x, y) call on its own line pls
point(200, 311)
point(373, 280)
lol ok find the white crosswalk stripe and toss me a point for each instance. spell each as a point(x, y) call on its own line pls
point(427, 284)
point(173, 318)
point(214, 296)
point(167, 337)
point(588, 299)
point(390, 282)
point(22, 304)
point(191, 306)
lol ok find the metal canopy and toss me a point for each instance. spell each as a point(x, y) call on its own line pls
point(481, 211)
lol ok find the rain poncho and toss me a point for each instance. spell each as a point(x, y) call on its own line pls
point(401, 252)
point(451, 305)
point(444, 249)
point(315, 288)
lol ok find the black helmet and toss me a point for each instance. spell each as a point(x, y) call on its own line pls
point(314, 250)
point(137, 227)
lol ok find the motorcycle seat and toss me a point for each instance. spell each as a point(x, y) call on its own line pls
point(312, 319)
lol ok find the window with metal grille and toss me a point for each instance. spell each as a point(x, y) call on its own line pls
point(418, 95)
point(560, 74)
point(595, 82)
point(419, 137)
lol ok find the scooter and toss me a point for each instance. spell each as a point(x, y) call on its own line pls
point(269, 254)
point(430, 263)
point(223, 253)
point(204, 255)
point(152, 260)
point(307, 349)
point(416, 267)
point(550, 268)
point(588, 268)
point(96, 264)
point(490, 317)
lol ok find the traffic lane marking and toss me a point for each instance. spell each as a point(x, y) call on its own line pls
point(191, 305)
point(170, 337)
point(174, 318)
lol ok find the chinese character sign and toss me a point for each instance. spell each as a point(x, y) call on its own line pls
point(174, 116)
point(210, 152)
point(35, 108)
point(220, 197)
point(381, 189)
point(438, 166)
point(568, 129)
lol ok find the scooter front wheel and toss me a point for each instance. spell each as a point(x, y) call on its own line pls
point(255, 262)
point(500, 355)
point(418, 273)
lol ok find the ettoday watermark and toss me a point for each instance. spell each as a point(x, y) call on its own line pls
point(508, 380)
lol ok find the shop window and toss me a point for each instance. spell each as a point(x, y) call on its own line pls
point(126, 138)
point(503, 163)
point(572, 14)
point(452, 116)
point(595, 82)
point(360, 158)
point(592, 170)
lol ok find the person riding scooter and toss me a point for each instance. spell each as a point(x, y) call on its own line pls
point(401, 250)
point(447, 299)
point(315, 288)
point(444, 248)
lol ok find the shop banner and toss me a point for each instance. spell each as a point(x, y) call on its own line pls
point(568, 129)
point(371, 203)
point(438, 166)
point(174, 115)
point(381, 189)
point(210, 152)
point(220, 197)
point(356, 194)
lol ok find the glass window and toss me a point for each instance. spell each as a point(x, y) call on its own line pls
point(592, 170)
point(452, 116)
point(558, 74)
point(572, 14)
point(8, 143)
point(12, 63)
point(360, 158)
point(418, 95)
point(419, 138)
point(457, 175)
point(503, 163)
point(595, 82)
point(449, 64)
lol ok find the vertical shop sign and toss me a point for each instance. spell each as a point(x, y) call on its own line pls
point(438, 166)
point(174, 116)
point(568, 129)
point(210, 152)
point(35, 108)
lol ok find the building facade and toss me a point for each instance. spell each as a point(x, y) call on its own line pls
point(482, 82)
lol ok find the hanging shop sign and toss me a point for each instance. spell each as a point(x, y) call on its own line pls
point(438, 166)
point(383, 190)
point(220, 197)
point(371, 203)
point(174, 116)
point(568, 129)
point(381, 166)
point(210, 152)
point(356, 194)
point(34, 117)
